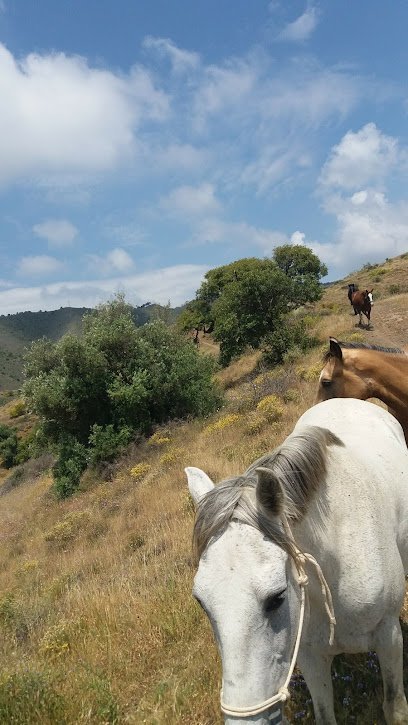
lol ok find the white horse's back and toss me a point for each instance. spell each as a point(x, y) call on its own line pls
point(368, 484)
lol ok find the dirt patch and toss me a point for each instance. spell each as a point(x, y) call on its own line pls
point(389, 318)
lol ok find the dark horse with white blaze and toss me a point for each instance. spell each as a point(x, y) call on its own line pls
point(362, 302)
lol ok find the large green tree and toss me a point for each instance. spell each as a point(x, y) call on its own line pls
point(249, 299)
point(303, 268)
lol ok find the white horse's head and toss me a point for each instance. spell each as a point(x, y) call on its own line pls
point(246, 586)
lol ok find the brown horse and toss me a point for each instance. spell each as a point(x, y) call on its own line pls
point(362, 302)
point(355, 370)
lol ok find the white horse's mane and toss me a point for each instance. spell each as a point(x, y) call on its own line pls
point(300, 466)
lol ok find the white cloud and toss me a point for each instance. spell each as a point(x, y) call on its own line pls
point(116, 261)
point(359, 197)
point(240, 236)
point(58, 115)
point(273, 166)
point(223, 86)
point(130, 235)
point(301, 28)
point(177, 284)
point(5, 283)
point(38, 266)
point(374, 229)
point(298, 238)
point(363, 157)
point(308, 95)
point(191, 201)
point(181, 60)
point(175, 156)
point(369, 228)
point(57, 232)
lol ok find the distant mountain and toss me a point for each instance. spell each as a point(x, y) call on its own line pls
point(18, 331)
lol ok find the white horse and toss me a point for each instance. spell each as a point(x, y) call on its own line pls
point(336, 490)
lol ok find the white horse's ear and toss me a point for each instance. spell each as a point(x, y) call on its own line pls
point(269, 492)
point(198, 483)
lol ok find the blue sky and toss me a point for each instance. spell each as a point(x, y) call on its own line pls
point(143, 143)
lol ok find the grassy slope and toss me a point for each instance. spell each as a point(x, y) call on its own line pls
point(96, 616)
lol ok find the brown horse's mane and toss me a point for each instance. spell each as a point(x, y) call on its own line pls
point(363, 346)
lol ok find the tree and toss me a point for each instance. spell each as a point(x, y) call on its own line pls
point(303, 268)
point(251, 303)
point(94, 393)
point(248, 299)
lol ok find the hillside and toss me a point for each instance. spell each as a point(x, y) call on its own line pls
point(96, 616)
point(19, 330)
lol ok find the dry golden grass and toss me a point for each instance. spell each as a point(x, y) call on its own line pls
point(97, 621)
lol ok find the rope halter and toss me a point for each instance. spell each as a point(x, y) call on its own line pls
point(299, 559)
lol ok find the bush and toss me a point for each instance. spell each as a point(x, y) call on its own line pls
point(67, 470)
point(277, 344)
point(376, 274)
point(225, 422)
point(270, 407)
point(68, 528)
point(18, 409)
point(106, 443)
point(140, 471)
point(394, 289)
point(28, 698)
point(94, 393)
point(8, 445)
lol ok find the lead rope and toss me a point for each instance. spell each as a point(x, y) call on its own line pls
point(299, 559)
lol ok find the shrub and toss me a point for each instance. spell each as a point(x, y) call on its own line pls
point(394, 289)
point(171, 456)
point(140, 471)
point(28, 698)
point(135, 542)
point(56, 640)
point(8, 445)
point(18, 409)
point(94, 393)
point(225, 422)
point(103, 707)
point(158, 439)
point(68, 528)
point(255, 424)
point(106, 443)
point(291, 395)
point(67, 470)
point(29, 566)
point(310, 374)
point(376, 274)
point(293, 334)
point(270, 407)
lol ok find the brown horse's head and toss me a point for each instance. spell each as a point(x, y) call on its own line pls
point(339, 378)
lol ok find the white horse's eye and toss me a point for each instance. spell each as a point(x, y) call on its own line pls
point(272, 603)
